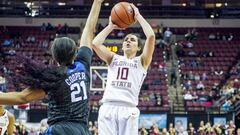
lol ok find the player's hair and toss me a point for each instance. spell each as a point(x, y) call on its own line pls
point(64, 50)
point(37, 75)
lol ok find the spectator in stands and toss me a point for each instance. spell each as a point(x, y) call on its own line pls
point(203, 97)
point(218, 71)
point(158, 100)
point(188, 96)
point(201, 129)
point(208, 128)
point(212, 71)
point(190, 75)
point(23, 131)
point(179, 126)
point(11, 52)
point(44, 44)
point(43, 126)
point(143, 131)
point(211, 36)
point(218, 36)
point(7, 42)
point(120, 34)
point(204, 76)
point(200, 86)
point(191, 34)
point(2, 84)
point(197, 77)
point(217, 129)
point(188, 35)
point(95, 107)
point(191, 129)
point(210, 54)
point(189, 45)
point(194, 96)
point(43, 27)
point(162, 67)
point(192, 53)
point(167, 36)
point(91, 127)
point(65, 29)
point(164, 132)
point(154, 130)
point(231, 128)
point(49, 27)
point(32, 131)
point(182, 131)
point(226, 106)
point(230, 37)
point(238, 131)
point(173, 75)
point(31, 39)
point(188, 85)
point(171, 129)
point(59, 29)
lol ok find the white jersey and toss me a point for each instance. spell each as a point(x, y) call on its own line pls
point(124, 80)
point(4, 121)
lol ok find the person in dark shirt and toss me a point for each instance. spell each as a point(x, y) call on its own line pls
point(66, 85)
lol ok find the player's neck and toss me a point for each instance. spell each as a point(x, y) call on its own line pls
point(129, 56)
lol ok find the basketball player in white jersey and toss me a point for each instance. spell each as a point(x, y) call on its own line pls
point(119, 115)
point(6, 121)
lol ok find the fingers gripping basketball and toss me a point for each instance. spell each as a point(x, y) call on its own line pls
point(122, 14)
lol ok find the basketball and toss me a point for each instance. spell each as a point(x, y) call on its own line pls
point(122, 14)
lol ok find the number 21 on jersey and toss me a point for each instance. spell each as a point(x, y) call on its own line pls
point(77, 89)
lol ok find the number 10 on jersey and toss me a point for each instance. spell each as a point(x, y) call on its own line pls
point(122, 73)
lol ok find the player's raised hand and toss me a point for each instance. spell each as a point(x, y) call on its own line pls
point(113, 26)
point(136, 11)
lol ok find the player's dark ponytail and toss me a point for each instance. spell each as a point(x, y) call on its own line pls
point(37, 75)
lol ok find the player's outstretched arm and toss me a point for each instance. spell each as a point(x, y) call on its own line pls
point(89, 29)
point(10, 127)
point(25, 96)
point(98, 41)
point(146, 56)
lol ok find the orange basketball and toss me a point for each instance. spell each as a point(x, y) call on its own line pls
point(122, 14)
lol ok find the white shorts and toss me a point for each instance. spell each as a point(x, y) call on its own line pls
point(115, 119)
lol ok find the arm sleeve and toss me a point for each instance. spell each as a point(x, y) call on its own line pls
point(85, 55)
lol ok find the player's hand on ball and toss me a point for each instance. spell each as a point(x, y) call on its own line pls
point(113, 26)
point(136, 11)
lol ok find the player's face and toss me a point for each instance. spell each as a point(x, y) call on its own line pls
point(130, 44)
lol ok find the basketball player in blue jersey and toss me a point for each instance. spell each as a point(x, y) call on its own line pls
point(66, 85)
point(7, 121)
point(119, 115)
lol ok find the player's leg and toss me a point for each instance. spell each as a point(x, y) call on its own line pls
point(107, 124)
point(128, 120)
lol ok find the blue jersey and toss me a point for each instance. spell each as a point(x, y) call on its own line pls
point(68, 101)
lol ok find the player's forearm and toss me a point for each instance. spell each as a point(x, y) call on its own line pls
point(93, 15)
point(89, 29)
point(101, 37)
point(147, 29)
point(11, 98)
